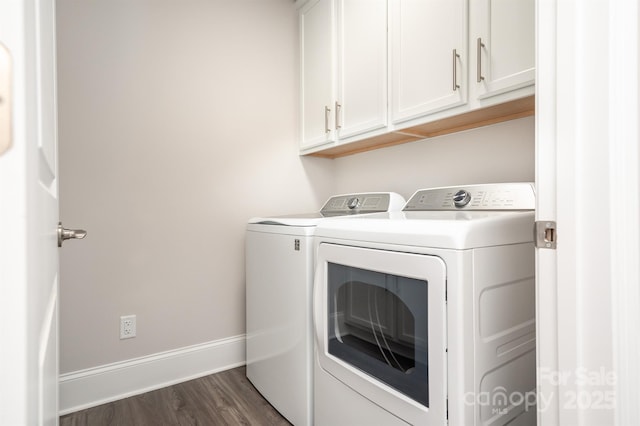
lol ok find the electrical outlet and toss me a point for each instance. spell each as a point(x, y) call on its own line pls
point(127, 327)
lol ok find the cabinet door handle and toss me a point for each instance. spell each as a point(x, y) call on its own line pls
point(456, 86)
point(338, 110)
point(327, 110)
point(479, 47)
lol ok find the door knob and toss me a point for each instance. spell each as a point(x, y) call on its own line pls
point(67, 234)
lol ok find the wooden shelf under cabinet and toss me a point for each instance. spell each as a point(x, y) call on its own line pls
point(477, 118)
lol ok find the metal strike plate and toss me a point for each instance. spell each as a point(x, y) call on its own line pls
point(5, 99)
point(545, 234)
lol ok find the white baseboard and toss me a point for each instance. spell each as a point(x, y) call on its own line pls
point(95, 386)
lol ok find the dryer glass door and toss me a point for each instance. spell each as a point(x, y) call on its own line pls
point(380, 327)
point(378, 323)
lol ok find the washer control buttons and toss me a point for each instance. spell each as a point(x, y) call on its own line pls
point(461, 198)
point(353, 203)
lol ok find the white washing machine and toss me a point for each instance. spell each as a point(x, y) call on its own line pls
point(427, 316)
point(279, 277)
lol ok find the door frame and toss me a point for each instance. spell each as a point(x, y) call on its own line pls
point(588, 300)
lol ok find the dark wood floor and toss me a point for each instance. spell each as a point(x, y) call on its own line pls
point(226, 398)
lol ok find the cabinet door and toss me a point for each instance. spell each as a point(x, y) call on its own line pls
point(426, 77)
point(317, 73)
point(361, 104)
point(506, 55)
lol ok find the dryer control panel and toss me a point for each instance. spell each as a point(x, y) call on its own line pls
point(495, 196)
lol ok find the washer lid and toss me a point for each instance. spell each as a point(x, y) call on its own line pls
point(437, 229)
point(303, 219)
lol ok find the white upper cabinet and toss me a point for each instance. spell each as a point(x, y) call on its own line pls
point(317, 54)
point(343, 69)
point(361, 103)
point(428, 56)
point(381, 72)
point(503, 46)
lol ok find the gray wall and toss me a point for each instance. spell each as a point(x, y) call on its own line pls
point(178, 122)
point(500, 153)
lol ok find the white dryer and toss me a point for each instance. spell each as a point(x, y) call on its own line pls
point(427, 316)
point(279, 277)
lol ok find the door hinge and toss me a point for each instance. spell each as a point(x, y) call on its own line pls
point(296, 244)
point(545, 234)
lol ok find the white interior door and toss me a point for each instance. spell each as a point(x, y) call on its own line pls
point(29, 216)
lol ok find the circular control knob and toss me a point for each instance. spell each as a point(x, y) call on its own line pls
point(352, 203)
point(461, 198)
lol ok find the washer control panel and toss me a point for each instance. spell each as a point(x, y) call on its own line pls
point(495, 196)
point(356, 203)
point(461, 198)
